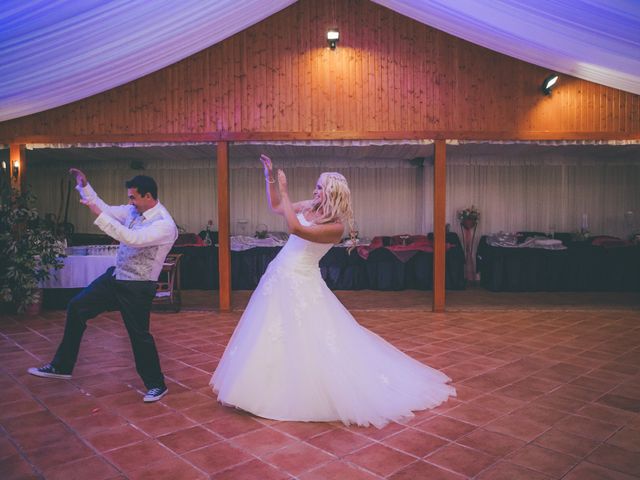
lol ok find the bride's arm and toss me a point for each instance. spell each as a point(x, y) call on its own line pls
point(273, 197)
point(325, 233)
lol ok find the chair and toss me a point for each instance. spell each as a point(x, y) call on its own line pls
point(168, 292)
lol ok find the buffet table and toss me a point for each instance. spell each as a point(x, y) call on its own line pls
point(580, 267)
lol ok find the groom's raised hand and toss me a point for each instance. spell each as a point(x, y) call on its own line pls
point(81, 178)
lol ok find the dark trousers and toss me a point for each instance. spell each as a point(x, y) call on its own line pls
point(133, 300)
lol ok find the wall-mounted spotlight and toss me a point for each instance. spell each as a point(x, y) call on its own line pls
point(549, 83)
point(4, 167)
point(333, 37)
point(16, 168)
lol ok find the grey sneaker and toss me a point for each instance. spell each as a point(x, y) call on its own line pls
point(155, 394)
point(48, 371)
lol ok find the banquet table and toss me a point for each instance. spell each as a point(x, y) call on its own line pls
point(79, 271)
point(580, 267)
point(341, 269)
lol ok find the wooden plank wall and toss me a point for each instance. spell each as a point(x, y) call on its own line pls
point(390, 77)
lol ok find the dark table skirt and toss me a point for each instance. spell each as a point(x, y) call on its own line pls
point(581, 267)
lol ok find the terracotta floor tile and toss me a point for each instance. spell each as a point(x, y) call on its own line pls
point(298, 458)
point(497, 403)
point(233, 425)
point(590, 471)
point(621, 402)
point(116, 437)
point(586, 427)
point(169, 469)
point(414, 442)
point(193, 438)
point(303, 430)
point(137, 455)
point(34, 438)
point(337, 470)
point(627, 439)
point(94, 468)
point(206, 412)
point(262, 441)
point(549, 462)
point(102, 420)
point(617, 459)
point(492, 443)
point(163, 424)
point(19, 408)
point(39, 419)
point(517, 426)
point(538, 414)
point(554, 439)
point(142, 411)
point(379, 433)
point(252, 470)
point(574, 373)
point(16, 468)
point(339, 442)
point(473, 414)
point(216, 458)
point(510, 471)
point(59, 453)
point(463, 460)
point(423, 470)
point(613, 415)
point(444, 426)
point(380, 459)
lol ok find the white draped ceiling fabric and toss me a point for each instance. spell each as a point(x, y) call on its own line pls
point(596, 40)
point(53, 52)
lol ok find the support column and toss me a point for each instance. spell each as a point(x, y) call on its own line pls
point(439, 225)
point(18, 165)
point(224, 230)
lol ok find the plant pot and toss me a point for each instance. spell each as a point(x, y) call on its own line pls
point(35, 308)
point(468, 223)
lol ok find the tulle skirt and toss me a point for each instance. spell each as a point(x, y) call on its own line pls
point(298, 354)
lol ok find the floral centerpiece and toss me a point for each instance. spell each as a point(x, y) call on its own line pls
point(469, 217)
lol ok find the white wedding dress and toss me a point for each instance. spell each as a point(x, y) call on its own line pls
point(298, 354)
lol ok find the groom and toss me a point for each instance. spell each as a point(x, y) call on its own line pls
point(146, 233)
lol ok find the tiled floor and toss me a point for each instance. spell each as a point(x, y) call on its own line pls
point(546, 393)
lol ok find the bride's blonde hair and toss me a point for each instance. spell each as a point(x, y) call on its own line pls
point(336, 203)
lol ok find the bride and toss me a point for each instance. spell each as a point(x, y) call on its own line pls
point(297, 353)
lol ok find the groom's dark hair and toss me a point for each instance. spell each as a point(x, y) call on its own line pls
point(144, 185)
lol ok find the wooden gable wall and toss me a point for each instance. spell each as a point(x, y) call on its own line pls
point(390, 77)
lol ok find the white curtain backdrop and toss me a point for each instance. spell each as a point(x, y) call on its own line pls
point(543, 190)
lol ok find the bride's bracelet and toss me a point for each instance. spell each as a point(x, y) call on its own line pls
point(272, 180)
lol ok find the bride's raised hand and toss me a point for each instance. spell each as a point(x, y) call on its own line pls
point(268, 167)
point(282, 181)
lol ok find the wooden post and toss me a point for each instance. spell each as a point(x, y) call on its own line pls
point(224, 220)
point(17, 161)
point(439, 222)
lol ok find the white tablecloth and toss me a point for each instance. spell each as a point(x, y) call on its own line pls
point(79, 271)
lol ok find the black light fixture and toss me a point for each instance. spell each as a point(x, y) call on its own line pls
point(333, 36)
point(16, 168)
point(549, 83)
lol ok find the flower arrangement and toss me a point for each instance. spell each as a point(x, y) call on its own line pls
point(469, 214)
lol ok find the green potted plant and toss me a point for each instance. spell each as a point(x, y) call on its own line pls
point(31, 249)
